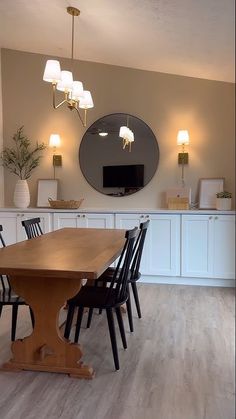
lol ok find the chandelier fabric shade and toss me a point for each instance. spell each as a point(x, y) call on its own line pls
point(127, 135)
point(75, 96)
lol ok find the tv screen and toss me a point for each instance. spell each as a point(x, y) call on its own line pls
point(126, 176)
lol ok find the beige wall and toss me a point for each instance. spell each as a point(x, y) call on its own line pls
point(165, 102)
point(1, 144)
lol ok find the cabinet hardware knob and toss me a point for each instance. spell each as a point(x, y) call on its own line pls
point(216, 218)
point(210, 218)
point(142, 216)
point(78, 215)
point(83, 215)
point(147, 216)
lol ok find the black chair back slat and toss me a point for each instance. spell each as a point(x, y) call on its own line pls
point(32, 227)
point(6, 287)
point(138, 250)
point(8, 297)
point(120, 277)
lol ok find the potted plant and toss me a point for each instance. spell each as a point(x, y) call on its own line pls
point(223, 200)
point(21, 159)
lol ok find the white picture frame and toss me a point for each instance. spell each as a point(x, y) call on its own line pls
point(47, 188)
point(208, 188)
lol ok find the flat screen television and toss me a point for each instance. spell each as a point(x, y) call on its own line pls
point(125, 176)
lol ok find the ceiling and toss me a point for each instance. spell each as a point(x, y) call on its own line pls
point(186, 37)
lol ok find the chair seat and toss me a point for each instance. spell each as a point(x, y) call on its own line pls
point(96, 297)
point(9, 298)
point(108, 275)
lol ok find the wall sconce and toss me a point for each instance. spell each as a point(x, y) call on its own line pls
point(183, 140)
point(54, 142)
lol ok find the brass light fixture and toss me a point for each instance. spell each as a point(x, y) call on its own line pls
point(55, 142)
point(183, 140)
point(74, 95)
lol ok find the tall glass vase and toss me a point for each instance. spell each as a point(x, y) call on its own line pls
point(21, 197)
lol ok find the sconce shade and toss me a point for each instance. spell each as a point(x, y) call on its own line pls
point(66, 82)
point(54, 140)
point(52, 72)
point(86, 101)
point(183, 137)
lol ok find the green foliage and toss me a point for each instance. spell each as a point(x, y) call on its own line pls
point(21, 159)
point(224, 194)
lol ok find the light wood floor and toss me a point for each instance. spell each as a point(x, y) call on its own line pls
point(179, 364)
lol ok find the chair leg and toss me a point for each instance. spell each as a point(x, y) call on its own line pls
point(136, 299)
point(69, 319)
point(31, 316)
point(129, 312)
point(111, 326)
point(90, 315)
point(13, 321)
point(78, 323)
point(121, 327)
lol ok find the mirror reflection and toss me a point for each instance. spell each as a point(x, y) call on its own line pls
point(118, 154)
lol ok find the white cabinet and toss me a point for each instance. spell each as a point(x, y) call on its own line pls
point(8, 221)
point(13, 231)
point(161, 254)
point(88, 220)
point(208, 246)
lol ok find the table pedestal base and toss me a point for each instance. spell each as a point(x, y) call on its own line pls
point(45, 349)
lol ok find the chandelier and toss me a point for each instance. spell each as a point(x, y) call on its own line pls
point(127, 135)
point(74, 94)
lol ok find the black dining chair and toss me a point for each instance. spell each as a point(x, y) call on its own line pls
point(32, 227)
point(107, 298)
point(9, 298)
point(133, 277)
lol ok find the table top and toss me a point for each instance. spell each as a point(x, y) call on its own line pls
point(68, 252)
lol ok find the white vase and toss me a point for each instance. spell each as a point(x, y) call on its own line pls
point(223, 204)
point(21, 197)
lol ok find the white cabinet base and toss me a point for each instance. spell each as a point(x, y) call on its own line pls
point(178, 280)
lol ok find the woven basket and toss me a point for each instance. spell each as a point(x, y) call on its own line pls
point(60, 204)
point(178, 203)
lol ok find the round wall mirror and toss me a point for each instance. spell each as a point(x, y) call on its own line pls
point(114, 165)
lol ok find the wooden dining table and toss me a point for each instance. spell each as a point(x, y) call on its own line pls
point(46, 271)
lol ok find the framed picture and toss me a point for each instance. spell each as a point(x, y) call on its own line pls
point(207, 192)
point(47, 188)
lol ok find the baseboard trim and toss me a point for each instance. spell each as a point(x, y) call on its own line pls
point(177, 280)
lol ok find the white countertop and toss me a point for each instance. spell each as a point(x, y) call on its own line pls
point(118, 211)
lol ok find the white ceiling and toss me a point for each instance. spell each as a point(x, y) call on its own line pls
point(186, 37)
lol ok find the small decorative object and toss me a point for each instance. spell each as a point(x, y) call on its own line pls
point(208, 188)
point(21, 160)
point(60, 204)
point(223, 201)
point(178, 198)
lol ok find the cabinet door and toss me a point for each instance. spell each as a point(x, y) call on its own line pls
point(45, 222)
point(163, 245)
point(96, 220)
point(8, 222)
point(75, 220)
point(224, 247)
point(64, 219)
point(197, 246)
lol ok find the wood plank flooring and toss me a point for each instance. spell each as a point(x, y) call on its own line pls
point(179, 363)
